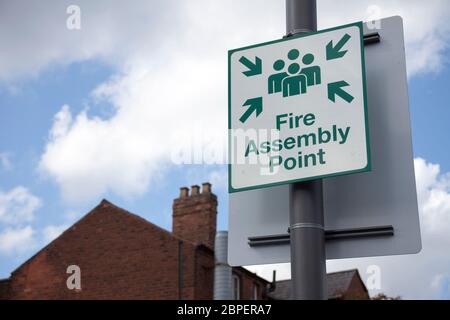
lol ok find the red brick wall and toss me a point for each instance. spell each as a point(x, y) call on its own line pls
point(248, 280)
point(356, 290)
point(194, 216)
point(121, 256)
point(4, 289)
point(204, 275)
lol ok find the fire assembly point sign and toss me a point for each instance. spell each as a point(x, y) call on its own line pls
point(298, 109)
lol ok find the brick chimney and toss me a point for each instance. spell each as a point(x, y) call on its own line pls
point(195, 215)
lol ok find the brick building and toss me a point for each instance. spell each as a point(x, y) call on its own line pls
point(123, 256)
point(343, 285)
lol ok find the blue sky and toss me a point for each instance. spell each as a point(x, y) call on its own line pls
point(26, 114)
point(430, 113)
point(109, 75)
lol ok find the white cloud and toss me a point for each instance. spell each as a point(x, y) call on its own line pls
point(425, 24)
point(5, 161)
point(17, 211)
point(434, 197)
point(120, 34)
point(422, 276)
point(169, 87)
point(18, 206)
point(34, 33)
point(161, 101)
point(61, 123)
point(72, 215)
point(51, 232)
point(219, 179)
point(17, 240)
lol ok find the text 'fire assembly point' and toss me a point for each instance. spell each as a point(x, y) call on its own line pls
point(297, 109)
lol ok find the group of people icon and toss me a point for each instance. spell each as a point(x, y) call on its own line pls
point(296, 80)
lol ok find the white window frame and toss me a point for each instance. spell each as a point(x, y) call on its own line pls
point(255, 291)
point(236, 287)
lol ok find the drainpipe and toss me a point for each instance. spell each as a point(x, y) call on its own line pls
point(222, 271)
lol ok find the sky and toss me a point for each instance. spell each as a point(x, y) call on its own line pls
point(103, 110)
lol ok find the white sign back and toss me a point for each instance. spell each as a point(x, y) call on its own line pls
point(386, 196)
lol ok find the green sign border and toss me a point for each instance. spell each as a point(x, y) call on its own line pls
point(303, 35)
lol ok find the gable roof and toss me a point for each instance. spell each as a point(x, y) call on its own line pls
point(338, 284)
point(104, 206)
point(241, 270)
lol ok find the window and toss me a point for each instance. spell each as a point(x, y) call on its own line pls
point(236, 287)
point(255, 292)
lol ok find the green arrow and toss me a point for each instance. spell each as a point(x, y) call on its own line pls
point(255, 105)
point(253, 68)
point(335, 52)
point(335, 89)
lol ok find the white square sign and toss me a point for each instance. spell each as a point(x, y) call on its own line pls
point(297, 109)
point(384, 197)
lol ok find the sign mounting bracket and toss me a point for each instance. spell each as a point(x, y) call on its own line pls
point(332, 234)
point(371, 38)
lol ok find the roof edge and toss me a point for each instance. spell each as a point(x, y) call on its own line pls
point(103, 202)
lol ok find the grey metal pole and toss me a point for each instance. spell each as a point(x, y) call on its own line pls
point(301, 16)
point(308, 261)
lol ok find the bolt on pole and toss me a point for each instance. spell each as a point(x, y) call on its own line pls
point(307, 234)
